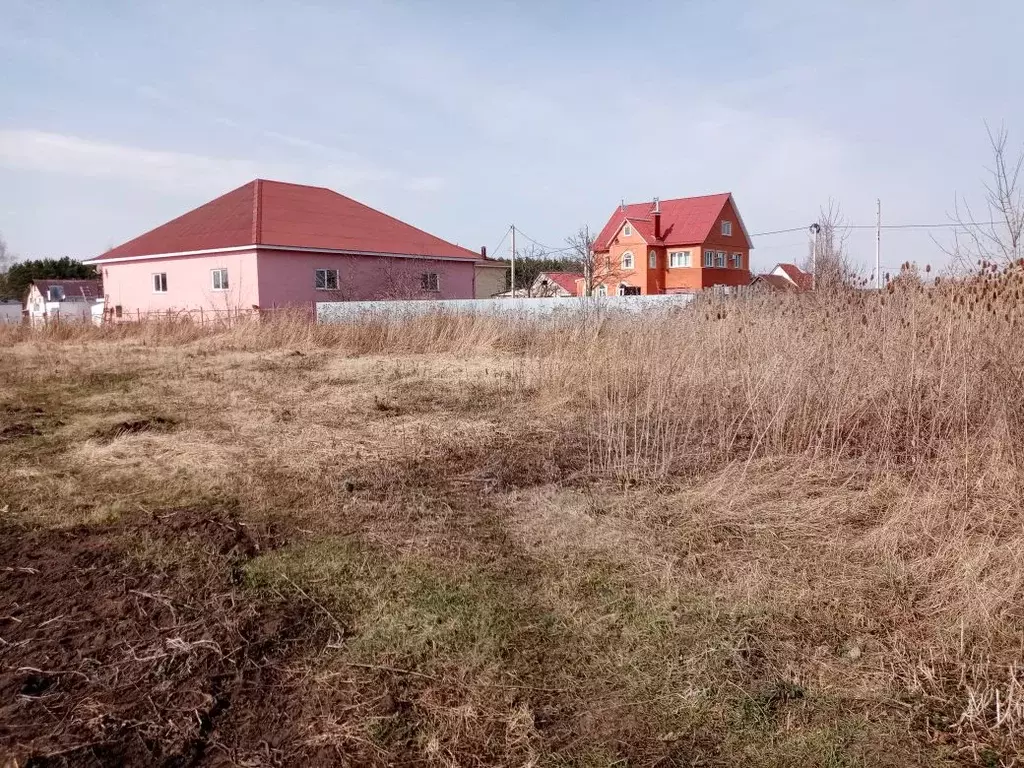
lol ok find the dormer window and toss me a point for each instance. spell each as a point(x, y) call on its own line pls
point(627, 231)
point(55, 293)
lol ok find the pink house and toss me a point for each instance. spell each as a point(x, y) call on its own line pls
point(271, 244)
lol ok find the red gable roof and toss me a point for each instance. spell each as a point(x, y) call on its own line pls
point(291, 216)
point(803, 280)
point(565, 280)
point(74, 290)
point(777, 282)
point(684, 221)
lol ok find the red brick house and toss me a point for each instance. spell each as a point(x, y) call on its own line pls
point(672, 246)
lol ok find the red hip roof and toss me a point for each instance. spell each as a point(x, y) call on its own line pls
point(276, 213)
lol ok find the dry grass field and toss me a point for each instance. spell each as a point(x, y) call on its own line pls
point(780, 531)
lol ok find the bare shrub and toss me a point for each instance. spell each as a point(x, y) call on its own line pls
point(997, 234)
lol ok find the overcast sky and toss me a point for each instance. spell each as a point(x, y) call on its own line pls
point(464, 117)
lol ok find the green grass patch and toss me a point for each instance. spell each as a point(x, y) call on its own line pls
point(407, 610)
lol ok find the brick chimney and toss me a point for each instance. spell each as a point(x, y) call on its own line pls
point(657, 219)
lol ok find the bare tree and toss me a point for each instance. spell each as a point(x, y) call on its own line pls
point(997, 237)
point(831, 264)
point(581, 250)
point(597, 268)
point(400, 280)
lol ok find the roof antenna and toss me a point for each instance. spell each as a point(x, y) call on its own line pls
point(622, 205)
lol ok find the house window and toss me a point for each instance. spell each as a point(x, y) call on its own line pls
point(220, 279)
point(602, 290)
point(727, 228)
point(160, 282)
point(327, 279)
point(627, 231)
point(652, 259)
point(720, 259)
point(627, 260)
point(431, 281)
point(709, 258)
point(679, 259)
point(56, 293)
point(737, 261)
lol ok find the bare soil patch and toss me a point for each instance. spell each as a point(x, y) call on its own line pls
point(107, 659)
point(21, 429)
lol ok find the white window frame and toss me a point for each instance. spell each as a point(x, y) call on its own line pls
point(709, 258)
point(737, 261)
point(222, 273)
point(431, 282)
point(720, 261)
point(627, 230)
point(652, 260)
point(678, 259)
point(632, 260)
point(602, 290)
point(726, 228)
point(159, 281)
point(326, 282)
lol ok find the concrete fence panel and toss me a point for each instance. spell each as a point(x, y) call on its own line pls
point(343, 311)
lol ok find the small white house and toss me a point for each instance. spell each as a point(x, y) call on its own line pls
point(548, 285)
point(63, 300)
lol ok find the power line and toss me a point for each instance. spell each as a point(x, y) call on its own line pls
point(501, 242)
point(945, 225)
point(550, 251)
point(948, 225)
point(547, 248)
point(780, 231)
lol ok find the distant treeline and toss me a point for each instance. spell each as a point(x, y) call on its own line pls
point(15, 281)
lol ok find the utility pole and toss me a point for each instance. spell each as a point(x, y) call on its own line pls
point(513, 261)
point(815, 228)
point(878, 245)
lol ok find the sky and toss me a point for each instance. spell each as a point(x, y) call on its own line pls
point(464, 118)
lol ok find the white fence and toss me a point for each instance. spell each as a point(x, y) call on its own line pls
point(45, 313)
point(340, 311)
